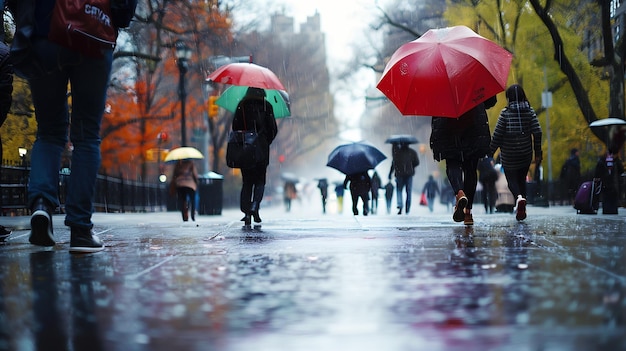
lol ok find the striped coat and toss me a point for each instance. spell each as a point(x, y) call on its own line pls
point(517, 133)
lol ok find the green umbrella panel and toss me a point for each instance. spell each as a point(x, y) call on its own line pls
point(279, 100)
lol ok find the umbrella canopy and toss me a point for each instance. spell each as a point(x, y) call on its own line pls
point(401, 139)
point(355, 158)
point(289, 177)
point(445, 73)
point(615, 131)
point(247, 74)
point(608, 122)
point(279, 100)
point(183, 153)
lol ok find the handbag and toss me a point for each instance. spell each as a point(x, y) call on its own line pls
point(83, 25)
point(243, 149)
point(423, 200)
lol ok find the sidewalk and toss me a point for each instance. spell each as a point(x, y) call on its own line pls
point(308, 281)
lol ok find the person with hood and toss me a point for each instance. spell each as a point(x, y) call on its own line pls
point(184, 184)
point(461, 142)
point(254, 113)
point(6, 90)
point(403, 163)
point(517, 134)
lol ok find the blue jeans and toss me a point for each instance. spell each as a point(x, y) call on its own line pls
point(402, 183)
point(89, 79)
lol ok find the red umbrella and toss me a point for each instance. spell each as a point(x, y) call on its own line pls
point(445, 73)
point(246, 74)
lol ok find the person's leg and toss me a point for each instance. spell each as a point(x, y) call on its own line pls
point(181, 193)
point(454, 171)
point(409, 193)
point(355, 200)
point(512, 182)
point(259, 191)
point(245, 197)
point(49, 94)
point(470, 179)
point(89, 80)
point(400, 184)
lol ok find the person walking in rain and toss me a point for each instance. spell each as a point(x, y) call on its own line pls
point(376, 182)
point(255, 113)
point(431, 189)
point(487, 176)
point(517, 134)
point(360, 185)
point(388, 196)
point(339, 190)
point(322, 184)
point(403, 163)
point(184, 184)
point(289, 193)
point(461, 142)
point(570, 175)
point(609, 169)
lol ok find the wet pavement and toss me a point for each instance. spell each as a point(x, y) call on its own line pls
point(307, 281)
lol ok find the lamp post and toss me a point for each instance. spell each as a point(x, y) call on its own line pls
point(183, 54)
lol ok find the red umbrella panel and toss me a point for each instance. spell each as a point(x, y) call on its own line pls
point(246, 74)
point(445, 73)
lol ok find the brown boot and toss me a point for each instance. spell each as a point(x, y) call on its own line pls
point(468, 219)
point(459, 208)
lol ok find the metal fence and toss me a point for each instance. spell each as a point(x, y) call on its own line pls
point(112, 194)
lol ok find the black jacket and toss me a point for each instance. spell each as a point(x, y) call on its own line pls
point(256, 114)
point(465, 137)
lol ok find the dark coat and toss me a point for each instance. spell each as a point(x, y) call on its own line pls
point(404, 160)
point(6, 82)
point(360, 183)
point(256, 114)
point(465, 137)
point(517, 133)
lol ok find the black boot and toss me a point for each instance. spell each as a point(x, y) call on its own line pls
point(254, 210)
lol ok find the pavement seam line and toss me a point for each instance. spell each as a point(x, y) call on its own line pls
point(149, 269)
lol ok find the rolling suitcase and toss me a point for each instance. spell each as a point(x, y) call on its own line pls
point(588, 197)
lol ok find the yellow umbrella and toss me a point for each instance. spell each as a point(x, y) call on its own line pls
point(183, 153)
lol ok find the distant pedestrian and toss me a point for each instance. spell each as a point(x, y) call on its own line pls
point(289, 193)
point(461, 142)
point(609, 169)
point(339, 189)
point(254, 112)
point(388, 196)
point(360, 185)
point(447, 197)
point(487, 176)
point(517, 134)
point(376, 183)
point(431, 189)
point(570, 175)
point(403, 163)
point(184, 184)
point(322, 184)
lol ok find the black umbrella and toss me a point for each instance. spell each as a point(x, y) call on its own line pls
point(401, 139)
point(355, 158)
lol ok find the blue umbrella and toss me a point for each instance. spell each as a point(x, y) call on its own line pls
point(355, 158)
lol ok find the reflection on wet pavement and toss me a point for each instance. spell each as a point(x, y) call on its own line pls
point(379, 283)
